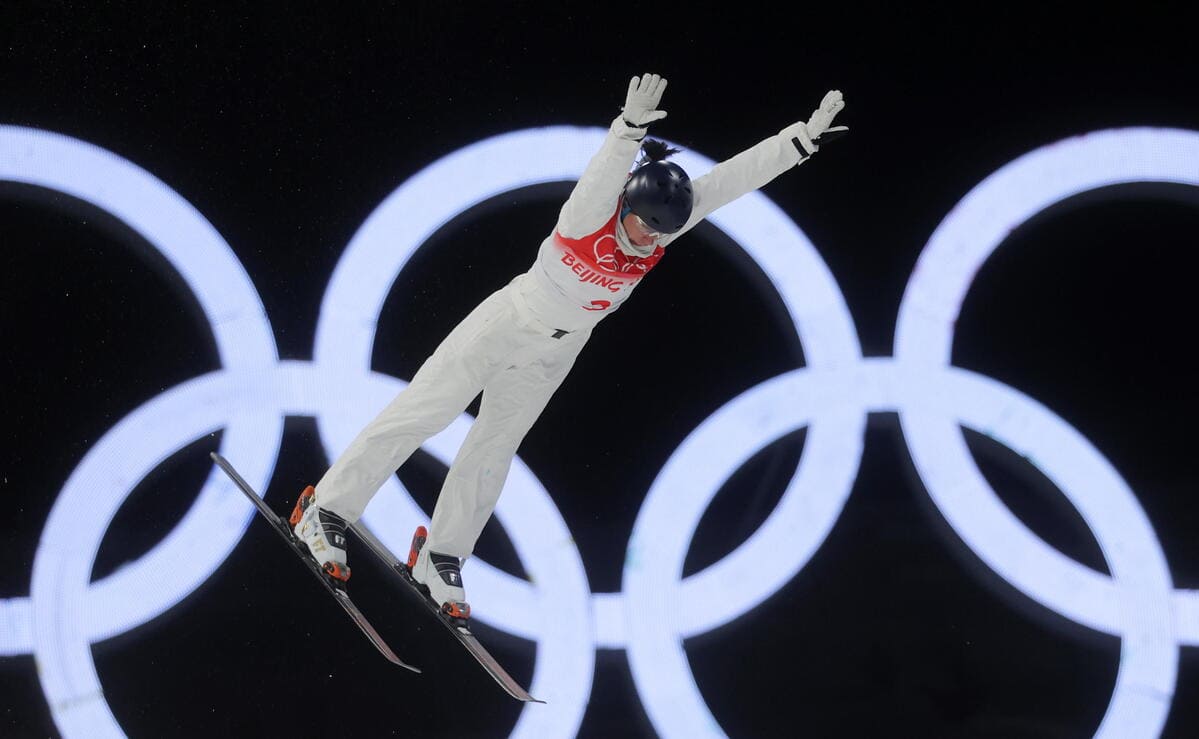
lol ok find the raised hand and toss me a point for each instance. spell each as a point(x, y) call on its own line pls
point(641, 102)
point(819, 122)
point(808, 137)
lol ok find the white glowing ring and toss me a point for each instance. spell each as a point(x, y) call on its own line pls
point(1136, 603)
point(410, 215)
point(657, 602)
point(66, 609)
point(560, 616)
point(346, 334)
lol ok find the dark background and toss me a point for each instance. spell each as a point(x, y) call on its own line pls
point(286, 125)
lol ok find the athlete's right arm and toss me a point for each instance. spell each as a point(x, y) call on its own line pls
point(594, 198)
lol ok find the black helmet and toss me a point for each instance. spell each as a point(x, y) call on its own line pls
point(659, 193)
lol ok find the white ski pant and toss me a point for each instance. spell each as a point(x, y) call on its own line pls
point(516, 362)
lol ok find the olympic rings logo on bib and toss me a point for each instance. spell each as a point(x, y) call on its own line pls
point(253, 390)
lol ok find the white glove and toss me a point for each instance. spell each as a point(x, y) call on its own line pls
point(641, 103)
point(808, 137)
point(830, 106)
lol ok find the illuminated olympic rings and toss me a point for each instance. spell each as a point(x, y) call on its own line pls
point(252, 392)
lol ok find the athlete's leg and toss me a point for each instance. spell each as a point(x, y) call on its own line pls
point(512, 402)
point(445, 384)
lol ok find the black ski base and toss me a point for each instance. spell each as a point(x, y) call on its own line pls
point(336, 588)
point(460, 628)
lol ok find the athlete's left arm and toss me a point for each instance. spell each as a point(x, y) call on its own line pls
point(761, 163)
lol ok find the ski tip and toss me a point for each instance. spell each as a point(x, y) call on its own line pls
point(392, 658)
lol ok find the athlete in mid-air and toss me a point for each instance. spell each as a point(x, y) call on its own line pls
point(518, 345)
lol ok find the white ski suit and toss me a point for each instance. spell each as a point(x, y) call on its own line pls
point(518, 345)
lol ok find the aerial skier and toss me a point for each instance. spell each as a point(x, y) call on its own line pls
point(518, 345)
